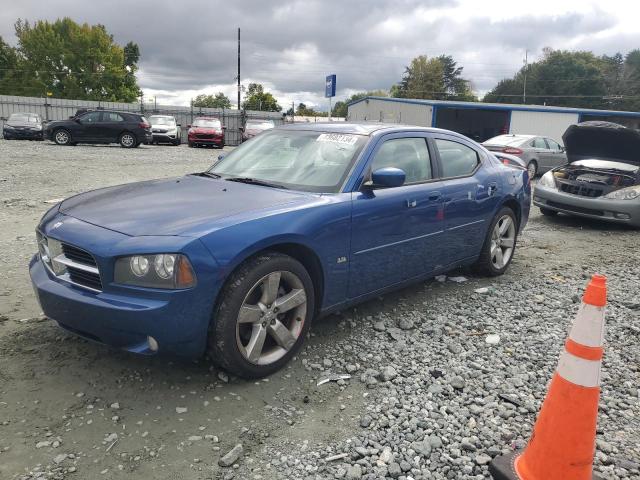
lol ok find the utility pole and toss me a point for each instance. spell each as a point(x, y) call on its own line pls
point(524, 87)
point(238, 68)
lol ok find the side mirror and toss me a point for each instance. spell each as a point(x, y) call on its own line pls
point(562, 149)
point(224, 128)
point(221, 156)
point(241, 129)
point(76, 119)
point(387, 177)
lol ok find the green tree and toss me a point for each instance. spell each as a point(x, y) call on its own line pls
point(258, 99)
point(219, 100)
point(563, 78)
point(8, 68)
point(305, 111)
point(74, 61)
point(438, 78)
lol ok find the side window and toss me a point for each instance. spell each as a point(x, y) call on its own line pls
point(457, 159)
point(539, 143)
point(553, 145)
point(91, 117)
point(113, 117)
point(408, 154)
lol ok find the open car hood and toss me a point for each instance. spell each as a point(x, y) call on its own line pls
point(602, 140)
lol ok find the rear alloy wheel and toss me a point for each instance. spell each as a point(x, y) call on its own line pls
point(62, 137)
point(547, 212)
point(127, 140)
point(500, 244)
point(264, 314)
point(532, 168)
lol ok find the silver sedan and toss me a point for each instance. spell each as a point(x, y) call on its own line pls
point(540, 154)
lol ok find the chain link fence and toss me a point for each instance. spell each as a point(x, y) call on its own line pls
point(60, 109)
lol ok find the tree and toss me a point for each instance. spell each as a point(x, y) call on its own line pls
point(305, 111)
point(73, 61)
point(219, 100)
point(438, 78)
point(8, 67)
point(569, 79)
point(258, 99)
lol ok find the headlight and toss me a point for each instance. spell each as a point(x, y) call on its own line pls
point(629, 193)
point(547, 180)
point(162, 270)
point(191, 130)
point(49, 249)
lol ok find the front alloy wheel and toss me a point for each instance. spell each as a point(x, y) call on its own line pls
point(62, 137)
point(271, 318)
point(262, 315)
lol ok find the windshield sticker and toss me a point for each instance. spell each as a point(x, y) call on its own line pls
point(337, 138)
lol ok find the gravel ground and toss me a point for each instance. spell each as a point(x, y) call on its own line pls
point(428, 396)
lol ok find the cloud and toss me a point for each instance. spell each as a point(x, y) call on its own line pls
point(291, 45)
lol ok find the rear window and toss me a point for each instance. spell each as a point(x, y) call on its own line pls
point(457, 159)
point(507, 140)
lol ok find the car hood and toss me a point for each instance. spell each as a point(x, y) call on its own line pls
point(205, 130)
point(174, 206)
point(602, 140)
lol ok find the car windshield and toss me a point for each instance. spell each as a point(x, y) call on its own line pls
point(206, 122)
point(21, 117)
point(162, 120)
point(263, 125)
point(299, 159)
point(507, 140)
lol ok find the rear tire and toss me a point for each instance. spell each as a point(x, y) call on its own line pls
point(499, 245)
point(127, 140)
point(547, 212)
point(62, 137)
point(266, 338)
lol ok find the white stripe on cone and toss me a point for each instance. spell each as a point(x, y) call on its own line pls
point(579, 371)
point(588, 327)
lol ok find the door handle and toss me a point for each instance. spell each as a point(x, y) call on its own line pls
point(435, 196)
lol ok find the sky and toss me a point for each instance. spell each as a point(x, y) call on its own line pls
point(189, 48)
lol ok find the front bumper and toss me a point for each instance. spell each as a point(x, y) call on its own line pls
point(164, 137)
point(619, 211)
point(23, 134)
point(124, 317)
point(218, 140)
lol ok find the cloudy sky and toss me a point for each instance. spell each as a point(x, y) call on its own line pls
point(290, 46)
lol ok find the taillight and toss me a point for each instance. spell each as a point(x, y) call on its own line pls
point(512, 151)
point(506, 162)
point(144, 125)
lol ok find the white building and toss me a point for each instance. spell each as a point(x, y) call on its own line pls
point(482, 121)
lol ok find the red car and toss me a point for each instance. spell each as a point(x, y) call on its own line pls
point(206, 131)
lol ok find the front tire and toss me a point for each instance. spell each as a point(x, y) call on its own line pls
point(264, 312)
point(499, 245)
point(127, 140)
point(62, 137)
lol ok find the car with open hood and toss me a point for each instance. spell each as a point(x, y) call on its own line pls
point(602, 177)
point(303, 220)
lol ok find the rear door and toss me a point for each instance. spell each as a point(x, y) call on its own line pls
point(112, 125)
point(558, 157)
point(543, 154)
point(397, 232)
point(471, 192)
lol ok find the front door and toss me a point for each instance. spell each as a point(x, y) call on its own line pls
point(89, 126)
point(396, 232)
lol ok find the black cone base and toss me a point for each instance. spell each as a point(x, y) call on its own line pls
point(501, 468)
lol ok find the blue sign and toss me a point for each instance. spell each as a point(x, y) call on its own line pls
point(330, 86)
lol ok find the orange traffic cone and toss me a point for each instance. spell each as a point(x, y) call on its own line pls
point(562, 444)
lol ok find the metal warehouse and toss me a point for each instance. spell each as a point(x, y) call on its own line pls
point(482, 121)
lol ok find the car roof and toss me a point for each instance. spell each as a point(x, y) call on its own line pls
point(365, 128)
point(26, 113)
point(207, 118)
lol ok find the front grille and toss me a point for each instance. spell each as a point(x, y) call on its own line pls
point(582, 190)
point(78, 255)
point(572, 208)
point(88, 279)
point(205, 135)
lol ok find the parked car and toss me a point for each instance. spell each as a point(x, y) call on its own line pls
point(303, 220)
point(206, 131)
point(101, 126)
point(539, 153)
point(165, 129)
point(253, 127)
point(19, 126)
point(602, 178)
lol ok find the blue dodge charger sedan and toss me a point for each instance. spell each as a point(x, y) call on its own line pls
point(237, 261)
